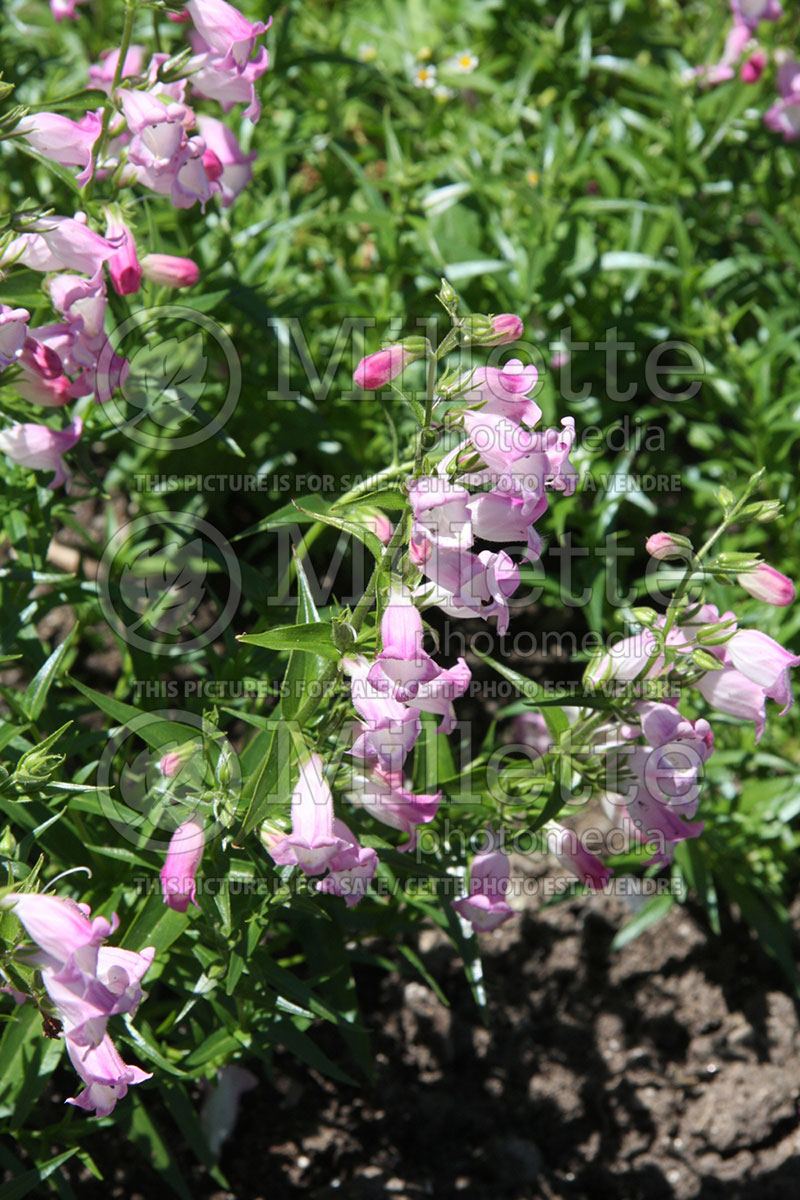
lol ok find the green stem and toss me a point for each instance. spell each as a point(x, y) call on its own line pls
point(430, 389)
point(109, 106)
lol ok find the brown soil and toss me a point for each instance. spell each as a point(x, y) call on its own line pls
point(668, 1069)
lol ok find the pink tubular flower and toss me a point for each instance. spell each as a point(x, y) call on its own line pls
point(13, 331)
point(763, 661)
point(566, 846)
point(502, 392)
point(106, 1076)
point(750, 12)
point(518, 460)
point(227, 86)
point(69, 143)
point(390, 729)
point(41, 449)
point(468, 585)
point(383, 794)
point(767, 584)
point(59, 926)
point(664, 545)
point(169, 270)
point(226, 31)
point(65, 8)
point(485, 905)
point(499, 517)
point(312, 843)
point(784, 117)
point(350, 869)
point(441, 512)
point(733, 693)
point(376, 370)
point(236, 169)
point(101, 75)
point(123, 266)
point(59, 244)
point(183, 859)
point(49, 392)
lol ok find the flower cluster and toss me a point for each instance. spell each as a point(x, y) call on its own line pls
point(147, 135)
point(87, 982)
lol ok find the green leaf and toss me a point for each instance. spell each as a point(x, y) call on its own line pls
point(651, 912)
point(15, 1189)
point(35, 694)
point(313, 638)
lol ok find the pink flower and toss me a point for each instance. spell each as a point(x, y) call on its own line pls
point(784, 117)
point(236, 169)
point(101, 75)
point(183, 859)
point(731, 692)
point(13, 331)
point(312, 843)
point(106, 1076)
point(59, 244)
point(69, 143)
point(466, 585)
point(738, 37)
point(169, 270)
point(65, 8)
point(41, 449)
point(227, 86)
point(485, 905)
point(160, 155)
point(763, 661)
point(567, 847)
point(664, 545)
point(518, 460)
point(499, 517)
point(753, 68)
point(441, 512)
point(750, 12)
point(379, 523)
point(390, 730)
point(376, 370)
point(58, 925)
point(402, 665)
point(123, 266)
point(383, 794)
point(226, 31)
point(350, 869)
point(767, 584)
point(625, 660)
point(48, 392)
point(502, 393)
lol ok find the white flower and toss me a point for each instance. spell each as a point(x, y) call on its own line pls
point(464, 62)
point(425, 77)
point(443, 93)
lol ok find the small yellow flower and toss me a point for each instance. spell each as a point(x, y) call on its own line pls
point(533, 178)
point(424, 54)
point(367, 53)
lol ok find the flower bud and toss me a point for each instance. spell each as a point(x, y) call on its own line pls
point(376, 370)
point(183, 859)
point(668, 545)
point(448, 297)
point(763, 511)
point(645, 616)
point(715, 634)
point(494, 331)
point(753, 67)
point(706, 661)
point(767, 584)
point(123, 266)
point(169, 270)
point(174, 761)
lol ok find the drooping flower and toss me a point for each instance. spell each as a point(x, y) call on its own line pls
point(350, 869)
point(179, 870)
point(312, 843)
point(106, 1076)
point(567, 847)
point(711, 75)
point(784, 116)
point(765, 662)
point(69, 143)
point(441, 512)
point(101, 75)
point(227, 86)
point(226, 30)
point(62, 9)
point(383, 794)
point(485, 906)
point(59, 244)
point(750, 12)
point(502, 392)
point(41, 449)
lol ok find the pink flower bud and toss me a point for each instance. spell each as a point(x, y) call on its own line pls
point(380, 524)
point(376, 370)
point(183, 859)
point(667, 545)
point(767, 584)
point(170, 270)
point(753, 67)
point(508, 328)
